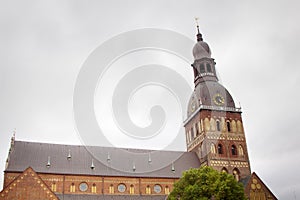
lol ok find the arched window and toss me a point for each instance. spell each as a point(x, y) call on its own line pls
point(72, 187)
point(167, 190)
point(148, 190)
point(94, 188)
point(53, 187)
point(241, 150)
point(233, 150)
point(111, 189)
point(212, 148)
point(236, 174)
point(208, 67)
point(228, 126)
point(131, 189)
point(202, 69)
point(224, 170)
point(218, 125)
point(220, 149)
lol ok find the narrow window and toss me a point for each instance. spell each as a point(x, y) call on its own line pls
point(111, 189)
point(228, 126)
point(148, 190)
point(220, 149)
point(190, 136)
point(236, 174)
point(208, 67)
point(199, 150)
point(218, 126)
point(241, 151)
point(131, 189)
point(72, 187)
point(197, 132)
point(202, 69)
point(53, 187)
point(187, 138)
point(233, 150)
point(167, 190)
point(192, 132)
point(213, 148)
point(94, 188)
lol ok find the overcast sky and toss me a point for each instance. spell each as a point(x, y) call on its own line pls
point(43, 45)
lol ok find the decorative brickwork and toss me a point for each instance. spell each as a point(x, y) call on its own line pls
point(256, 189)
point(99, 185)
point(27, 186)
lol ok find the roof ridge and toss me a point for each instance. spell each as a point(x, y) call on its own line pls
point(106, 147)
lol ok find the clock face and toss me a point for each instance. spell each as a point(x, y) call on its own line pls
point(193, 106)
point(218, 99)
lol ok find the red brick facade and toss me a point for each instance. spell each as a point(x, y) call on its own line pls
point(203, 132)
point(26, 186)
point(96, 185)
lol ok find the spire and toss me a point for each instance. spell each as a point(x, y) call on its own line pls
point(13, 138)
point(199, 35)
point(12, 144)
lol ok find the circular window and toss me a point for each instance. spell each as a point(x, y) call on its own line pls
point(83, 187)
point(157, 188)
point(121, 187)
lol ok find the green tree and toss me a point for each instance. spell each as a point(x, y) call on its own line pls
point(205, 183)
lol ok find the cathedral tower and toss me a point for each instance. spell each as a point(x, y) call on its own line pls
point(214, 126)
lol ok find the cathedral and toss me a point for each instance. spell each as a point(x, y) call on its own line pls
point(214, 137)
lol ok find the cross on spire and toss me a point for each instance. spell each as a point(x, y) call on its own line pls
point(196, 19)
point(199, 35)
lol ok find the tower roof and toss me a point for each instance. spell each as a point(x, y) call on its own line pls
point(208, 92)
point(201, 48)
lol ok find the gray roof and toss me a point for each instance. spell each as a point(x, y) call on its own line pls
point(110, 197)
point(108, 161)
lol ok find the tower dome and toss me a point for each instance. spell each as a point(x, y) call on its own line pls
point(201, 50)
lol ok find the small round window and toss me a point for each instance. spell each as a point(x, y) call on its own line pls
point(121, 187)
point(157, 188)
point(83, 187)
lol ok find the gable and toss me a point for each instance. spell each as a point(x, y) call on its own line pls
point(27, 186)
point(256, 189)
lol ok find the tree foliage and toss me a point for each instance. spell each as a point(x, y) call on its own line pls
point(205, 183)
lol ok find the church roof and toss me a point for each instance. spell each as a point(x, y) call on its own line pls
point(107, 161)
